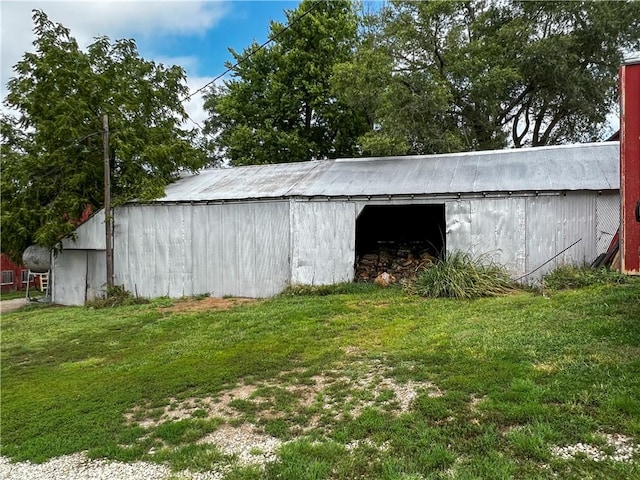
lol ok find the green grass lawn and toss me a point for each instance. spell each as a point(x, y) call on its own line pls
point(368, 383)
point(33, 293)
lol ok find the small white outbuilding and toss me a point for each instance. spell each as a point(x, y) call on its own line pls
point(251, 231)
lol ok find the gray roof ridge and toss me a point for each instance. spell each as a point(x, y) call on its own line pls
point(473, 153)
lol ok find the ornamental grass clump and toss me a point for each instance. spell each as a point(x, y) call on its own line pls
point(460, 275)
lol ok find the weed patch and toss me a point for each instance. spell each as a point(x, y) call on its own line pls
point(116, 296)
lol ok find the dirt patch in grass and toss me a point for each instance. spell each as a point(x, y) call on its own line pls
point(206, 304)
point(195, 407)
point(331, 395)
point(318, 402)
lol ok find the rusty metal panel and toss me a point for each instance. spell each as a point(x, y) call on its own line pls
point(323, 242)
point(607, 220)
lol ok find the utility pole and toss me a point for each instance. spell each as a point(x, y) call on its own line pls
point(107, 203)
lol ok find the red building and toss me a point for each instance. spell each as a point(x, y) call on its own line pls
point(630, 165)
point(14, 277)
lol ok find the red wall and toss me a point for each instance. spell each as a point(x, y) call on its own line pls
point(8, 265)
point(630, 167)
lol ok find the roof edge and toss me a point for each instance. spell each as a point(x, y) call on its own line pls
point(473, 153)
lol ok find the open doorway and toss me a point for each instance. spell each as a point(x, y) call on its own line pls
point(398, 239)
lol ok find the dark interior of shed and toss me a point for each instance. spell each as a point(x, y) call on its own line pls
point(398, 239)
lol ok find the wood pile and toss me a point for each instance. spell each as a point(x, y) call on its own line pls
point(400, 262)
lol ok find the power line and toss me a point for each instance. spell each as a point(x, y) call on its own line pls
point(287, 27)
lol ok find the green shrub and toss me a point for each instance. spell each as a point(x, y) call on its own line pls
point(572, 276)
point(459, 275)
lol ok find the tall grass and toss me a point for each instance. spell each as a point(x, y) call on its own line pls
point(571, 276)
point(460, 275)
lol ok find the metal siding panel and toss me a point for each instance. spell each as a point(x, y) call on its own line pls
point(607, 220)
point(497, 232)
point(230, 247)
point(177, 261)
point(96, 274)
point(158, 233)
point(142, 250)
point(323, 250)
point(553, 224)
point(199, 259)
point(247, 251)
point(272, 240)
point(70, 277)
point(89, 236)
point(216, 249)
point(458, 225)
point(541, 230)
point(135, 251)
point(176, 250)
point(187, 245)
point(581, 223)
point(120, 248)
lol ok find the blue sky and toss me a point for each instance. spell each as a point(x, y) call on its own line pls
point(193, 34)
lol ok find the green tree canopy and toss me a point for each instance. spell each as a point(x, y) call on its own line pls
point(279, 105)
point(52, 153)
point(489, 74)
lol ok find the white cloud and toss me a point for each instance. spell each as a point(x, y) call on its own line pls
point(195, 105)
point(90, 18)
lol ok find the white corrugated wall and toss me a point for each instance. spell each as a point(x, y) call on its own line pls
point(323, 239)
point(255, 248)
point(239, 249)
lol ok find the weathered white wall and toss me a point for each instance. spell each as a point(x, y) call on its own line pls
point(69, 283)
point(88, 236)
point(522, 233)
point(607, 219)
point(96, 274)
point(237, 249)
point(556, 222)
point(323, 239)
point(255, 249)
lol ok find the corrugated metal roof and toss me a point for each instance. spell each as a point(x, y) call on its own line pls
point(589, 166)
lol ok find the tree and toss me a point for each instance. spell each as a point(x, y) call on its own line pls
point(279, 105)
point(488, 74)
point(52, 160)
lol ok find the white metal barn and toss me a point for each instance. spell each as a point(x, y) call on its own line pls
point(250, 231)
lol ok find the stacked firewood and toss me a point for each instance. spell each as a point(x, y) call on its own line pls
point(399, 262)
